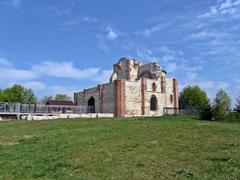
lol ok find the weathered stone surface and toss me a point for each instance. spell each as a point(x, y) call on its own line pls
point(132, 70)
point(151, 71)
point(133, 101)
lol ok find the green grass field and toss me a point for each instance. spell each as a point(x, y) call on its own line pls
point(138, 148)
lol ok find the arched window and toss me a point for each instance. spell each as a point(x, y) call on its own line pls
point(153, 103)
point(171, 98)
point(154, 87)
point(91, 105)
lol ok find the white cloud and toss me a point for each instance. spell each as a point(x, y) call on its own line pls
point(13, 3)
point(61, 69)
point(223, 7)
point(62, 8)
point(156, 28)
point(103, 77)
point(59, 11)
point(229, 4)
point(111, 34)
point(90, 19)
point(206, 85)
point(16, 3)
point(13, 74)
point(31, 78)
point(192, 75)
point(64, 70)
point(102, 44)
point(34, 85)
point(205, 35)
point(222, 85)
point(147, 54)
point(73, 23)
point(168, 57)
point(5, 63)
point(171, 67)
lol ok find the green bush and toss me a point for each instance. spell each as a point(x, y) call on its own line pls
point(221, 106)
point(18, 93)
point(195, 97)
point(238, 105)
point(232, 117)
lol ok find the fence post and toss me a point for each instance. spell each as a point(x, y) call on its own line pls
point(18, 105)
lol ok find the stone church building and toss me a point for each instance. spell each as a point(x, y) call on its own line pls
point(135, 89)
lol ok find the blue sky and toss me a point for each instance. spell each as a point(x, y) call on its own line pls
point(62, 46)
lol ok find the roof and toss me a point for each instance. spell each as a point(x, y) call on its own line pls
point(60, 103)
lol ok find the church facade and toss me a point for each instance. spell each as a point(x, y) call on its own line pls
point(135, 89)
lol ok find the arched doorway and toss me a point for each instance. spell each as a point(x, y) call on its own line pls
point(91, 105)
point(153, 103)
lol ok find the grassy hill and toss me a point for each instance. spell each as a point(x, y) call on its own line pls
point(138, 148)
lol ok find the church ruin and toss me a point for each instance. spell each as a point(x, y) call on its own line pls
point(135, 89)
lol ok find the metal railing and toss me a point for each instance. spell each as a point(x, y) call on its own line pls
point(178, 111)
point(18, 108)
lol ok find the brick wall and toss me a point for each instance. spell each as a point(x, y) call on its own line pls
point(119, 93)
point(175, 93)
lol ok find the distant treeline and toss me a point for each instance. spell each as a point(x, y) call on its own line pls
point(219, 109)
point(18, 93)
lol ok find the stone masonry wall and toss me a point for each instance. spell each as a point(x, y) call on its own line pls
point(159, 95)
point(169, 93)
point(93, 92)
point(153, 69)
point(139, 104)
point(108, 98)
point(133, 98)
point(103, 96)
point(125, 70)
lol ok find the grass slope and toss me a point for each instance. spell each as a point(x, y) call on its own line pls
point(140, 148)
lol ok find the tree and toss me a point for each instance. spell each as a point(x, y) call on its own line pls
point(238, 105)
point(29, 97)
point(195, 97)
point(222, 105)
point(46, 98)
point(1, 95)
point(62, 97)
point(18, 93)
point(14, 93)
